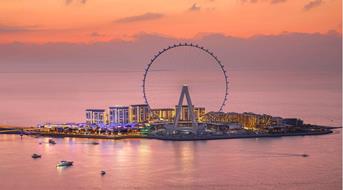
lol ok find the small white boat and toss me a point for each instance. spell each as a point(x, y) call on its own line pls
point(64, 163)
point(34, 156)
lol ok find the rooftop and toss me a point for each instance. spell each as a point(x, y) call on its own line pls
point(95, 110)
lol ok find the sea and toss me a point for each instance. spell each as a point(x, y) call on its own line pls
point(144, 164)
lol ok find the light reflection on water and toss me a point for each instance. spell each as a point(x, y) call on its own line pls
point(270, 163)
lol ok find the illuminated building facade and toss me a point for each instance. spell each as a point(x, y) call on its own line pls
point(139, 113)
point(199, 112)
point(247, 120)
point(165, 114)
point(119, 115)
point(95, 116)
point(106, 118)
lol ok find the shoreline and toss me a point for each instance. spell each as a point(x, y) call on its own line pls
point(177, 138)
point(242, 136)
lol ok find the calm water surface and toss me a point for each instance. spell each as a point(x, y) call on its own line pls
point(269, 163)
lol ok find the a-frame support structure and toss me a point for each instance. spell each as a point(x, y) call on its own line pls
point(184, 93)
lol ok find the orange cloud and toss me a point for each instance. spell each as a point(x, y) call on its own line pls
point(139, 18)
point(194, 7)
point(312, 4)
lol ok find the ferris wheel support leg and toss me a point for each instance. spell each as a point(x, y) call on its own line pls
point(178, 109)
point(185, 92)
point(190, 107)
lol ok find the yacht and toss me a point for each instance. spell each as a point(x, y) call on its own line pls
point(51, 141)
point(36, 156)
point(64, 163)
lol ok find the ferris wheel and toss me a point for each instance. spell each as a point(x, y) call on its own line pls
point(193, 46)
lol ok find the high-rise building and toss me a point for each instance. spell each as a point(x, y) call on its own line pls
point(119, 115)
point(95, 116)
point(139, 113)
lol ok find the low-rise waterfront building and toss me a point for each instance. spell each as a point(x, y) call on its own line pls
point(277, 121)
point(247, 120)
point(199, 112)
point(95, 116)
point(119, 115)
point(165, 114)
point(139, 113)
point(293, 121)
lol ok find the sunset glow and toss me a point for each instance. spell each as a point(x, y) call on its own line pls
point(40, 21)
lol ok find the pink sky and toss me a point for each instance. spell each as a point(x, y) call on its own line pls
point(60, 57)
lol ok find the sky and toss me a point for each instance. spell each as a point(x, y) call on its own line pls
point(41, 21)
point(60, 57)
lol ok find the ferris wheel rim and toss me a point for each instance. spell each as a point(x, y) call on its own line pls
point(207, 51)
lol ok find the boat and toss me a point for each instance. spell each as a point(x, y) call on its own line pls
point(94, 143)
point(102, 172)
point(36, 156)
point(64, 163)
point(304, 155)
point(51, 141)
